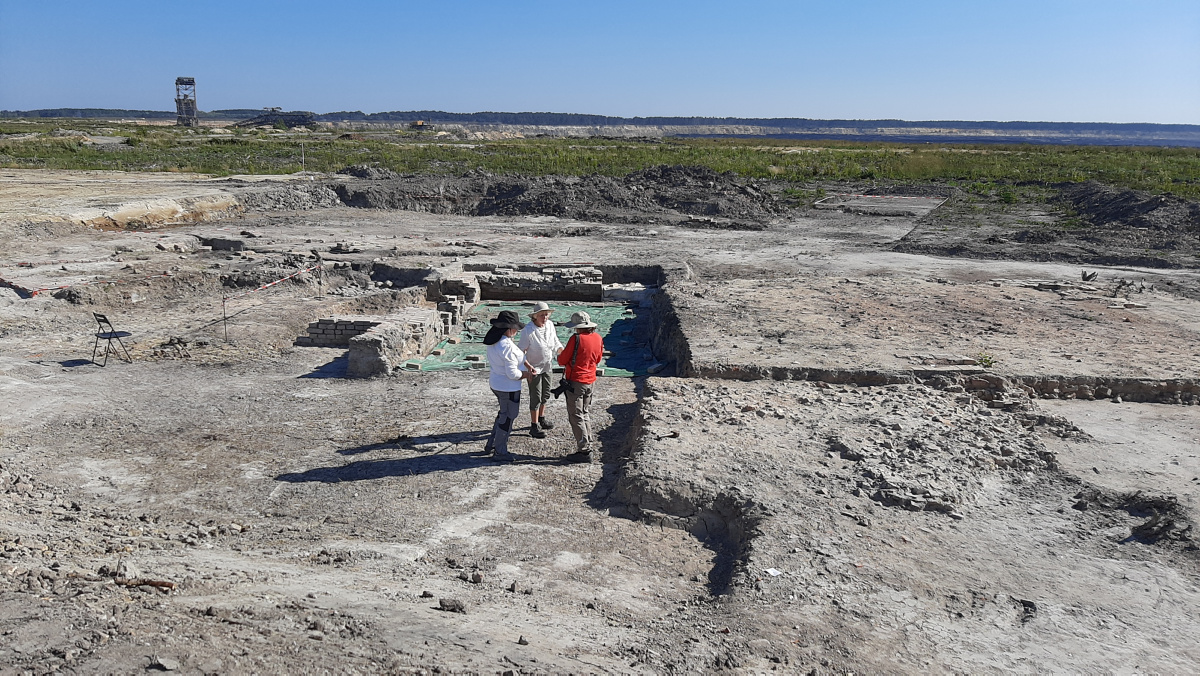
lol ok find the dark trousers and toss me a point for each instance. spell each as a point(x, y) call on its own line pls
point(510, 408)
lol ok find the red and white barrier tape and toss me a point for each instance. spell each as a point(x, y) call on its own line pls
point(95, 282)
point(15, 287)
point(886, 197)
point(38, 264)
point(267, 286)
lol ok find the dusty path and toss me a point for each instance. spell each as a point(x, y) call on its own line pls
point(334, 518)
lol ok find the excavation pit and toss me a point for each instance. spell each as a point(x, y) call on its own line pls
point(445, 328)
point(622, 326)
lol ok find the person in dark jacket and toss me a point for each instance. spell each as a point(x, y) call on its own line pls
point(580, 357)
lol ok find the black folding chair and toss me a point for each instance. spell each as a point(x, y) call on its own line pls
point(109, 336)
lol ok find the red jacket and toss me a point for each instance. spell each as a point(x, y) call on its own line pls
point(591, 351)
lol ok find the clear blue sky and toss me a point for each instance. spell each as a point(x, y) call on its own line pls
point(1059, 60)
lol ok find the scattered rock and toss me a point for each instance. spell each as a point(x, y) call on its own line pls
point(163, 664)
point(452, 606)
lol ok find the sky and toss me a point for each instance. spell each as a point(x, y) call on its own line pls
point(1046, 60)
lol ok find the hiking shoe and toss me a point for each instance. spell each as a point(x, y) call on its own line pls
point(536, 432)
point(503, 457)
point(578, 457)
point(546, 424)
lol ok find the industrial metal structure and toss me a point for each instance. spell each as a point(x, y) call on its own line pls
point(185, 102)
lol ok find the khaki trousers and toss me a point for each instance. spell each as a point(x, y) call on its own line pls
point(579, 404)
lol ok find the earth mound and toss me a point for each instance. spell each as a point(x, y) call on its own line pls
point(1107, 206)
point(1086, 223)
point(691, 196)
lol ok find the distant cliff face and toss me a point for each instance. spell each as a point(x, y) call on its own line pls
point(936, 132)
point(948, 131)
point(582, 125)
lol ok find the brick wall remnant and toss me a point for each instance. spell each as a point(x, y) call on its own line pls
point(337, 331)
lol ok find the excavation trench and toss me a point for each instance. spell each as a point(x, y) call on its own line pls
point(444, 328)
point(727, 521)
point(724, 522)
point(671, 343)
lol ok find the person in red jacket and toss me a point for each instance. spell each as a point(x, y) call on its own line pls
point(580, 357)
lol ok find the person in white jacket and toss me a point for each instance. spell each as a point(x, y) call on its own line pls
point(539, 340)
point(508, 369)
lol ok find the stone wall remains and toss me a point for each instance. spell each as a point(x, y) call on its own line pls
point(558, 283)
point(402, 336)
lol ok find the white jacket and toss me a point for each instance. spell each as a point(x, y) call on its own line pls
point(506, 362)
point(541, 345)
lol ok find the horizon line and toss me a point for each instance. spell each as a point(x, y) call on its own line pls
point(168, 113)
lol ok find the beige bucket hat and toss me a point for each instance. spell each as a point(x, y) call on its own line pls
point(540, 307)
point(581, 320)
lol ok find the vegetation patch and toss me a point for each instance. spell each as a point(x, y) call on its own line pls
point(996, 172)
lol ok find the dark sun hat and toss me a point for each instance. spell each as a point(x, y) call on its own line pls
point(508, 320)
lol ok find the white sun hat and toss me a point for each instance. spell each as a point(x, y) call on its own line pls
point(581, 320)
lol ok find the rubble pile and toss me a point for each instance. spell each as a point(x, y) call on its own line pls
point(930, 453)
point(905, 446)
point(290, 197)
point(1086, 223)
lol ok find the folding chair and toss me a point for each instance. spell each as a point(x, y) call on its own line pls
point(109, 336)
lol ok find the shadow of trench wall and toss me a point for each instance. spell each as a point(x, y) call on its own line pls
point(724, 523)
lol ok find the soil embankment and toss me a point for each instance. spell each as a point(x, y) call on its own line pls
point(690, 196)
point(1086, 223)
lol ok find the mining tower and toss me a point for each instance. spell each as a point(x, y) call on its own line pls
point(185, 102)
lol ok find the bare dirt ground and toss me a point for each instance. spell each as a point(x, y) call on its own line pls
point(114, 199)
point(245, 509)
point(884, 321)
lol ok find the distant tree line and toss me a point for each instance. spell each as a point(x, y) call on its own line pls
point(585, 120)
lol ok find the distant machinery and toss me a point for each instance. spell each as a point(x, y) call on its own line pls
point(274, 116)
point(185, 102)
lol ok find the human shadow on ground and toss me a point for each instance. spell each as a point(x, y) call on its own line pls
point(429, 443)
point(334, 369)
point(439, 456)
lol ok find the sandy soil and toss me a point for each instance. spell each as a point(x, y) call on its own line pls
point(1134, 447)
point(301, 517)
point(887, 321)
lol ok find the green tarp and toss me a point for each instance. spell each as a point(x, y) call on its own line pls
point(617, 326)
